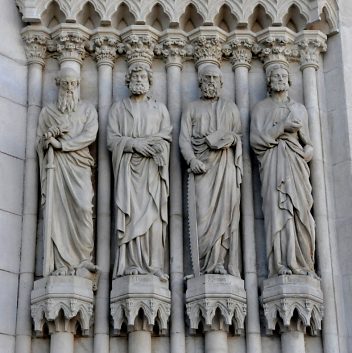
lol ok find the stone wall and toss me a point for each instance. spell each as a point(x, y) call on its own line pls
point(13, 110)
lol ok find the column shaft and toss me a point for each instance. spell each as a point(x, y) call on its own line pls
point(139, 342)
point(72, 64)
point(253, 339)
point(177, 329)
point(292, 342)
point(61, 342)
point(216, 341)
point(101, 329)
point(30, 211)
point(330, 337)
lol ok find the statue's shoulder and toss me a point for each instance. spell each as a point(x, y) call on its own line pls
point(297, 105)
point(86, 105)
point(229, 104)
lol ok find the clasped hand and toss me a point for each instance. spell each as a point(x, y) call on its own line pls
point(197, 166)
point(150, 148)
point(292, 124)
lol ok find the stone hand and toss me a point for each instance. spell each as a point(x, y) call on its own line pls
point(54, 131)
point(159, 160)
point(143, 147)
point(292, 124)
point(54, 142)
point(197, 166)
point(308, 153)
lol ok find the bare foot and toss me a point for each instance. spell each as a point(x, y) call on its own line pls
point(284, 271)
point(131, 271)
point(162, 276)
point(220, 269)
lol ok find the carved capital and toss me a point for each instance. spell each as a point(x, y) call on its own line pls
point(276, 47)
point(139, 302)
point(310, 45)
point(69, 44)
point(61, 303)
point(36, 41)
point(285, 295)
point(138, 45)
point(172, 48)
point(105, 48)
point(209, 295)
point(239, 50)
point(207, 46)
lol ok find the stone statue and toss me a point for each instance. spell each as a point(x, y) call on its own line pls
point(280, 139)
point(211, 145)
point(139, 136)
point(65, 130)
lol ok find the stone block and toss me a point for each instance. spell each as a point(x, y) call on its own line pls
point(13, 80)
point(207, 293)
point(130, 294)
point(8, 302)
point(12, 128)
point(11, 44)
point(283, 295)
point(7, 343)
point(10, 240)
point(11, 187)
point(71, 294)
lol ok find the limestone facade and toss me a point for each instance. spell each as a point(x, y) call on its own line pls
point(100, 39)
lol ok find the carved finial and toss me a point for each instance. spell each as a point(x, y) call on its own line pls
point(310, 45)
point(36, 41)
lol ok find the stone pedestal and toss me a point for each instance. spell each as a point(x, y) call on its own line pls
point(210, 293)
point(293, 301)
point(135, 293)
point(62, 303)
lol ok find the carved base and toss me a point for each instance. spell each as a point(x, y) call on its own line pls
point(61, 302)
point(130, 294)
point(207, 293)
point(285, 295)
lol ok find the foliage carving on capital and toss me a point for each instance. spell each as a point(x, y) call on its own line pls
point(70, 46)
point(35, 46)
point(207, 49)
point(173, 50)
point(239, 51)
point(309, 50)
point(276, 50)
point(105, 48)
point(138, 48)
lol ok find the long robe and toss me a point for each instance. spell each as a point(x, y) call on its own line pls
point(72, 225)
point(141, 187)
point(286, 189)
point(218, 190)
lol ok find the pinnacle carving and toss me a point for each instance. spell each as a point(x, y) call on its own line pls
point(35, 46)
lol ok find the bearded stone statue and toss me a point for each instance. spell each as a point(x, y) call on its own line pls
point(211, 145)
point(280, 138)
point(139, 136)
point(65, 130)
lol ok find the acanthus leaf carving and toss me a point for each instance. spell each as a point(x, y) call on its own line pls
point(208, 49)
point(105, 48)
point(310, 48)
point(35, 45)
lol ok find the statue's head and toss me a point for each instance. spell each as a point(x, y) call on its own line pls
point(278, 78)
point(68, 81)
point(210, 81)
point(139, 78)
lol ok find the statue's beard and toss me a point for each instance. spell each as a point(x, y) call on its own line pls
point(67, 101)
point(209, 90)
point(138, 88)
point(279, 86)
